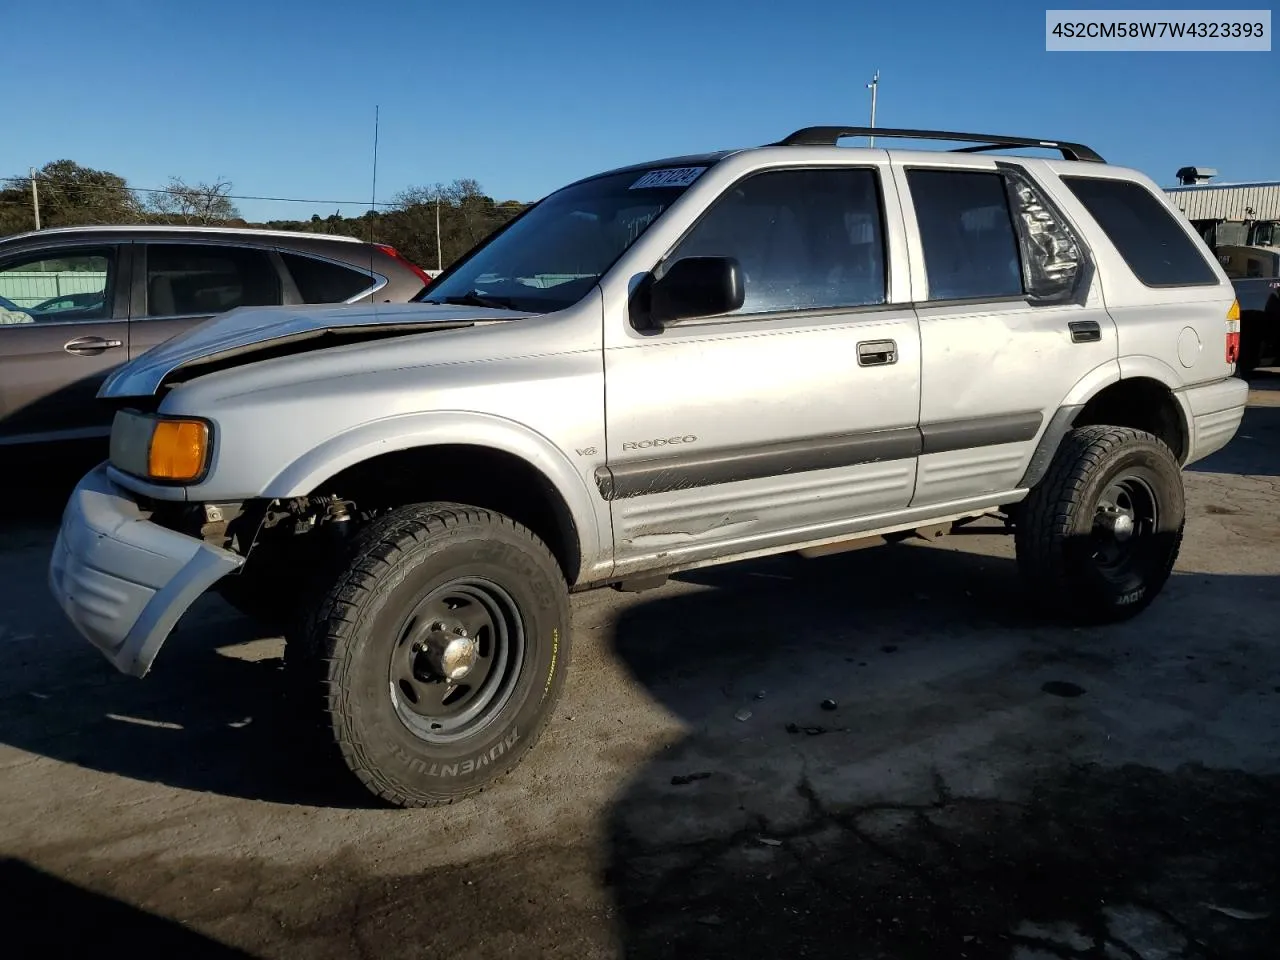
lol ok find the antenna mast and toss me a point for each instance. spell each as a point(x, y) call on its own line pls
point(874, 87)
point(373, 197)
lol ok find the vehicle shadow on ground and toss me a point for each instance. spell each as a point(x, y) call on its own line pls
point(983, 779)
point(45, 916)
point(218, 719)
point(213, 722)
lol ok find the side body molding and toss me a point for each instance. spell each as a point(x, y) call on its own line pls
point(589, 512)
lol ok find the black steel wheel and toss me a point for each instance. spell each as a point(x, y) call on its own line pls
point(1098, 537)
point(1125, 518)
point(457, 658)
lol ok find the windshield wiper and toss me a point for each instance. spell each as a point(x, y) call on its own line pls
point(474, 299)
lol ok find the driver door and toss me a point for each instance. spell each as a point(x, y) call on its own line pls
point(792, 419)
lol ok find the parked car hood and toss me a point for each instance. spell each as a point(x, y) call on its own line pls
point(247, 334)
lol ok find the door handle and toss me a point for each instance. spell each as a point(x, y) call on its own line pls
point(872, 353)
point(1085, 331)
point(91, 346)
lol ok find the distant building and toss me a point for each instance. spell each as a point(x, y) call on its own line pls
point(1258, 200)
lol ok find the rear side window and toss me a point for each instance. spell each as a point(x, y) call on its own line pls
point(320, 281)
point(1143, 229)
point(970, 247)
point(193, 279)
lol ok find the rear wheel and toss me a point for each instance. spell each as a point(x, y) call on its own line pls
point(1098, 537)
point(439, 653)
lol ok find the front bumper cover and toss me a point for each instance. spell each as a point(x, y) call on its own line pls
point(122, 580)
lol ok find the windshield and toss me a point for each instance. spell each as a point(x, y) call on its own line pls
point(551, 256)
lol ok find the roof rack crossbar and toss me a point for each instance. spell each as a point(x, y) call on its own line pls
point(829, 136)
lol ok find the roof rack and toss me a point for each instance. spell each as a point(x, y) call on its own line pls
point(828, 136)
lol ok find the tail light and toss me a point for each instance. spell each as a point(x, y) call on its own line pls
point(1233, 332)
point(395, 254)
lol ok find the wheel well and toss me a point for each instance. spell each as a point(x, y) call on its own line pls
point(1141, 403)
point(476, 476)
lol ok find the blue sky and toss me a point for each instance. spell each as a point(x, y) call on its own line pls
point(278, 95)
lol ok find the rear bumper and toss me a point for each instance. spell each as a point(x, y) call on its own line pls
point(122, 580)
point(1216, 410)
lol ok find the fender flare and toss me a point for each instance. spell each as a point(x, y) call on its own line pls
point(436, 428)
point(1085, 389)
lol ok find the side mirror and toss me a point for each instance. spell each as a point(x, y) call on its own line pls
point(696, 287)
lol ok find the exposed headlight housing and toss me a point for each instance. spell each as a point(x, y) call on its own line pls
point(159, 448)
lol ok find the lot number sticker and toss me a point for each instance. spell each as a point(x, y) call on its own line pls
point(670, 177)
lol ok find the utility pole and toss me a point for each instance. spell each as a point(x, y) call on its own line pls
point(35, 197)
point(439, 255)
point(874, 86)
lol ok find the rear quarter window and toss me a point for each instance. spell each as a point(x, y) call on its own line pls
point(1145, 232)
point(320, 281)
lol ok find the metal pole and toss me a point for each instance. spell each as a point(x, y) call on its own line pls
point(439, 254)
point(875, 86)
point(35, 197)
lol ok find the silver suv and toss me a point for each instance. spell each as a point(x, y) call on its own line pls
point(794, 347)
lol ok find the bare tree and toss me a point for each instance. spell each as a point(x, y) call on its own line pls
point(201, 203)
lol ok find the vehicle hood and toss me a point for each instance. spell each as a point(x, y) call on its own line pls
point(248, 334)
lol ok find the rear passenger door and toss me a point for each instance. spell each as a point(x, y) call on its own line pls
point(1011, 319)
point(178, 285)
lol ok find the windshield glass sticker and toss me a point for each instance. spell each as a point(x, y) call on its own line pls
point(670, 177)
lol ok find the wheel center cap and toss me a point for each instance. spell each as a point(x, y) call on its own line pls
point(1122, 527)
point(458, 657)
point(451, 653)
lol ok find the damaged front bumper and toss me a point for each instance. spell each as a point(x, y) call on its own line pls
point(122, 580)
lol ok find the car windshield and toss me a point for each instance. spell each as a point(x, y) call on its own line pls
point(551, 256)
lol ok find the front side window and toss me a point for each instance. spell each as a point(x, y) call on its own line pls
point(549, 257)
point(804, 239)
point(197, 279)
point(1144, 231)
point(69, 287)
point(970, 244)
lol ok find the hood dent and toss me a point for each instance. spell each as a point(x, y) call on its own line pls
point(251, 334)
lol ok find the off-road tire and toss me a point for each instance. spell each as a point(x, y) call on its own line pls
point(1055, 521)
point(341, 651)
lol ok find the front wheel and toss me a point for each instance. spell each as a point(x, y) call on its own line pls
point(440, 653)
point(1098, 537)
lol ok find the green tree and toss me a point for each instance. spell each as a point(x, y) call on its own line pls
point(466, 216)
point(70, 195)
